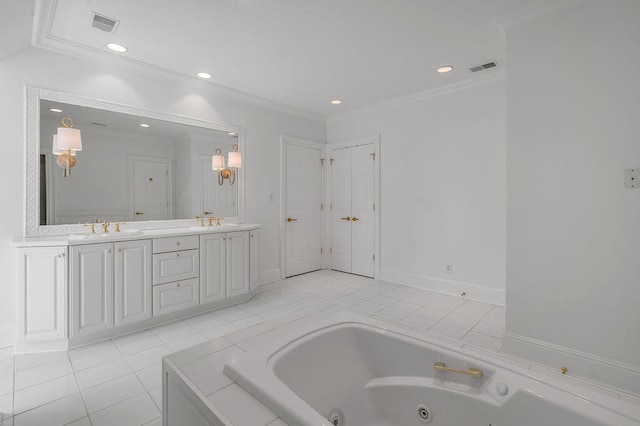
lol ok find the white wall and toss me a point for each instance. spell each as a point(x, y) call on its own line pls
point(123, 84)
point(573, 268)
point(442, 187)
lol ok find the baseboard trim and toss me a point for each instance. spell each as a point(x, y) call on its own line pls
point(612, 373)
point(453, 288)
point(7, 336)
point(270, 276)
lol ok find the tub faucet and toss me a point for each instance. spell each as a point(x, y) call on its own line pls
point(473, 372)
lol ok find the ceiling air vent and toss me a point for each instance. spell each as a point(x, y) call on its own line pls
point(103, 23)
point(484, 67)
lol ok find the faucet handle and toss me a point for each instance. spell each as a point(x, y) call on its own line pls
point(210, 220)
point(105, 227)
point(92, 225)
point(117, 225)
point(201, 219)
point(218, 219)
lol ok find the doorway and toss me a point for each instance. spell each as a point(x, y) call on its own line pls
point(151, 188)
point(354, 196)
point(301, 210)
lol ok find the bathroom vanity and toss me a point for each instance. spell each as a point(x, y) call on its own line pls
point(80, 288)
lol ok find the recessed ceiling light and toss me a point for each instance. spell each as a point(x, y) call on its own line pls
point(117, 47)
point(336, 102)
point(204, 75)
point(55, 110)
point(144, 125)
point(445, 69)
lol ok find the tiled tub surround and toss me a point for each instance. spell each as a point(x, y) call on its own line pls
point(118, 381)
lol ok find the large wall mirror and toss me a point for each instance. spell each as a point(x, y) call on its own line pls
point(145, 168)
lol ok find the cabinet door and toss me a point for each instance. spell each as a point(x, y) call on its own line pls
point(132, 281)
point(212, 267)
point(42, 294)
point(91, 269)
point(254, 259)
point(237, 263)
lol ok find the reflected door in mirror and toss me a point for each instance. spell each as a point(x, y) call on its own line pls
point(151, 189)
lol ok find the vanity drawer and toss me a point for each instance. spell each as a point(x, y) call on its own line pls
point(175, 266)
point(186, 242)
point(175, 296)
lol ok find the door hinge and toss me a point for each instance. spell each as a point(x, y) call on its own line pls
point(320, 250)
point(321, 206)
point(331, 161)
point(321, 162)
point(373, 156)
point(374, 257)
point(331, 251)
point(374, 207)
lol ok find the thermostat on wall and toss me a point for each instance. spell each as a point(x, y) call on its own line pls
point(632, 178)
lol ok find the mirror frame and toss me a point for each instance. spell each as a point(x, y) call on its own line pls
point(32, 153)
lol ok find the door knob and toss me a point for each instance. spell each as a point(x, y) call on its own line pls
point(289, 219)
point(139, 213)
point(355, 219)
point(345, 218)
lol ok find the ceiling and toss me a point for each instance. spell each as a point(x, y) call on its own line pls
point(87, 118)
point(302, 53)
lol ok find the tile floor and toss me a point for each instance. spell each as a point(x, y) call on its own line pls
point(118, 381)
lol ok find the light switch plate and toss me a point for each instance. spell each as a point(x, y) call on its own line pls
point(632, 178)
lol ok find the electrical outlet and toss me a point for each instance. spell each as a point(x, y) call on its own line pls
point(448, 268)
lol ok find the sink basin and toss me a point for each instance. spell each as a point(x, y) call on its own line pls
point(87, 236)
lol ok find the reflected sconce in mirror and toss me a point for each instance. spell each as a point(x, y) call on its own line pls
point(233, 163)
point(66, 143)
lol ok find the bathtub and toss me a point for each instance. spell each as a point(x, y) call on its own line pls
point(353, 370)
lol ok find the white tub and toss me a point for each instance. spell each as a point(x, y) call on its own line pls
point(352, 370)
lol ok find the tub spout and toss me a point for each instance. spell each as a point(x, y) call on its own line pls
point(473, 372)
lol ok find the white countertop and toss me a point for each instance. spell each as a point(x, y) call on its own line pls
point(65, 240)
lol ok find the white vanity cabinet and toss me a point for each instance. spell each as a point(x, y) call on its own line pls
point(42, 292)
point(74, 291)
point(237, 263)
point(254, 259)
point(91, 279)
point(132, 281)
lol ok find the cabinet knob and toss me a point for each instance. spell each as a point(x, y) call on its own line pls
point(61, 255)
point(108, 251)
point(224, 238)
point(230, 238)
point(178, 243)
point(252, 235)
point(178, 285)
point(119, 250)
point(177, 254)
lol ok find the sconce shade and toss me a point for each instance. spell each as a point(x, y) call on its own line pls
point(217, 162)
point(235, 159)
point(69, 138)
point(58, 151)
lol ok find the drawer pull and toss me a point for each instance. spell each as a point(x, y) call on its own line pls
point(178, 243)
point(177, 254)
point(178, 285)
point(120, 250)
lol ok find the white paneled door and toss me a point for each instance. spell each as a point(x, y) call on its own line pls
point(303, 209)
point(352, 210)
point(151, 186)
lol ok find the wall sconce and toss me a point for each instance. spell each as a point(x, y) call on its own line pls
point(234, 162)
point(65, 145)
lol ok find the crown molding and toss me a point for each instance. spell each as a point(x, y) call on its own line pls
point(43, 19)
point(533, 12)
point(491, 77)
